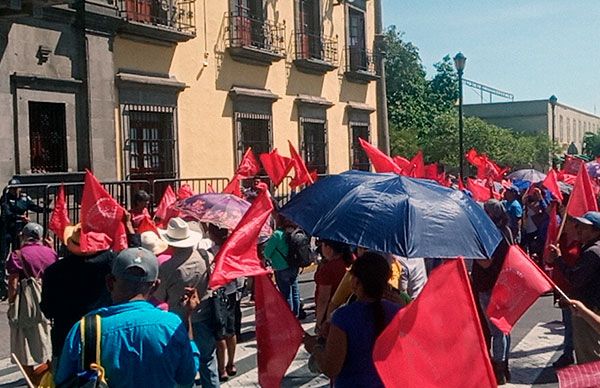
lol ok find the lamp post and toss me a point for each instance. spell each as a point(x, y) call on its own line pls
point(553, 101)
point(459, 63)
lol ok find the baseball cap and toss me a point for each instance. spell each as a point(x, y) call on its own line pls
point(136, 258)
point(590, 218)
point(33, 231)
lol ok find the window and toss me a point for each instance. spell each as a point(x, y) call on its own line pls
point(47, 137)
point(360, 161)
point(314, 144)
point(249, 22)
point(309, 29)
point(568, 130)
point(151, 141)
point(253, 130)
point(357, 53)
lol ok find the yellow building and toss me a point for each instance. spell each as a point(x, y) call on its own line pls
point(219, 76)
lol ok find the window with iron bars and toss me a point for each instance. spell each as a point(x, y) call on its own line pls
point(314, 144)
point(150, 141)
point(253, 130)
point(360, 161)
point(47, 137)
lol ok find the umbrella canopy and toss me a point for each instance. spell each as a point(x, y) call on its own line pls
point(593, 169)
point(394, 214)
point(528, 174)
point(222, 210)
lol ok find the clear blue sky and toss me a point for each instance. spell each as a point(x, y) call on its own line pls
point(531, 48)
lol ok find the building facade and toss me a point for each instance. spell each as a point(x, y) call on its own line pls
point(570, 124)
point(154, 89)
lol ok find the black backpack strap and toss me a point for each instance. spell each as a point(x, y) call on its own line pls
point(90, 327)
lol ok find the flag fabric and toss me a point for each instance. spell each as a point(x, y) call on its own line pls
point(276, 166)
point(571, 165)
point(234, 186)
point(403, 163)
point(433, 343)
point(278, 333)
point(147, 225)
point(551, 183)
point(380, 161)
point(162, 210)
point(553, 229)
point(100, 213)
point(249, 166)
point(520, 283)
point(59, 219)
point(480, 192)
point(418, 165)
point(301, 174)
point(461, 185)
point(582, 199)
point(486, 168)
point(238, 257)
point(579, 376)
point(185, 191)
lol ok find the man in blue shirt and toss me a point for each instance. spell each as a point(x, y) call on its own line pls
point(514, 209)
point(141, 345)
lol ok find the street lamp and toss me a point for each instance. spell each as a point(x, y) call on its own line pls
point(553, 101)
point(459, 62)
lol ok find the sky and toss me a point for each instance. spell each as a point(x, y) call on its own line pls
point(530, 48)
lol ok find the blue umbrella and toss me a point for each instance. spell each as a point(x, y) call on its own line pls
point(395, 214)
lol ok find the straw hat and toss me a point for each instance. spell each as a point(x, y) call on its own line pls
point(179, 234)
point(72, 236)
point(152, 242)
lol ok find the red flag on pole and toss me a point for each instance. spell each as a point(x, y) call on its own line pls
point(579, 376)
point(435, 343)
point(461, 185)
point(403, 163)
point(479, 191)
point(238, 257)
point(185, 191)
point(276, 166)
point(301, 174)
point(553, 228)
point(486, 168)
point(100, 213)
point(147, 225)
point(418, 165)
point(162, 211)
point(380, 161)
point(551, 183)
point(249, 166)
point(571, 165)
point(59, 219)
point(234, 186)
point(520, 283)
point(278, 333)
point(582, 199)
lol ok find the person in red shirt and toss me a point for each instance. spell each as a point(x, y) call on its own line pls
point(337, 258)
point(139, 209)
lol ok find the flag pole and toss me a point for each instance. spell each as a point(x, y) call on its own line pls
point(554, 286)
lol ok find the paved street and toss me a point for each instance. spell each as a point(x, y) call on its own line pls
point(535, 344)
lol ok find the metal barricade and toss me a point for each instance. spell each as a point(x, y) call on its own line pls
point(198, 185)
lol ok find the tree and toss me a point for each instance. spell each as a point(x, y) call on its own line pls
point(591, 144)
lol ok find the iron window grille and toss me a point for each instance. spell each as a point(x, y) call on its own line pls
point(249, 29)
point(253, 130)
point(316, 46)
point(47, 137)
point(360, 160)
point(314, 144)
point(150, 141)
point(173, 14)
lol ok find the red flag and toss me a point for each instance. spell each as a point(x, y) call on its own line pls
point(552, 232)
point(234, 186)
point(209, 188)
point(185, 191)
point(486, 168)
point(59, 219)
point(461, 185)
point(418, 165)
point(579, 376)
point(278, 333)
point(314, 175)
point(551, 183)
point(435, 343)
point(479, 191)
point(571, 165)
point(162, 211)
point(238, 257)
point(100, 213)
point(276, 166)
point(301, 174)
point(403, 163)
point(520, 283)
point(147, 225)
point(380, 161)
point(249, 166)
point(582, 199)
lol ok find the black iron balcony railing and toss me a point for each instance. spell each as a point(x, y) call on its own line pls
point(359, 59)
point(247, 31)
point(176, 15)
point(315, 46)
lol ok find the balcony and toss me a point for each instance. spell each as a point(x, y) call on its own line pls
point(360, 65)
point(166, 20)
point(315, 54)
point(12, 8)
point(254, 40)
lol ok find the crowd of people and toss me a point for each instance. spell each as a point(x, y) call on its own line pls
point(161, 325)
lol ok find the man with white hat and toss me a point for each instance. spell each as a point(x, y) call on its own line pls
point(189, 266)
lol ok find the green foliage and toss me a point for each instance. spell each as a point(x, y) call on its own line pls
point(591, 144)
point(422, 115)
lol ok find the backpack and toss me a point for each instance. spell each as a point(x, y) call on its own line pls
point(299, 253)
